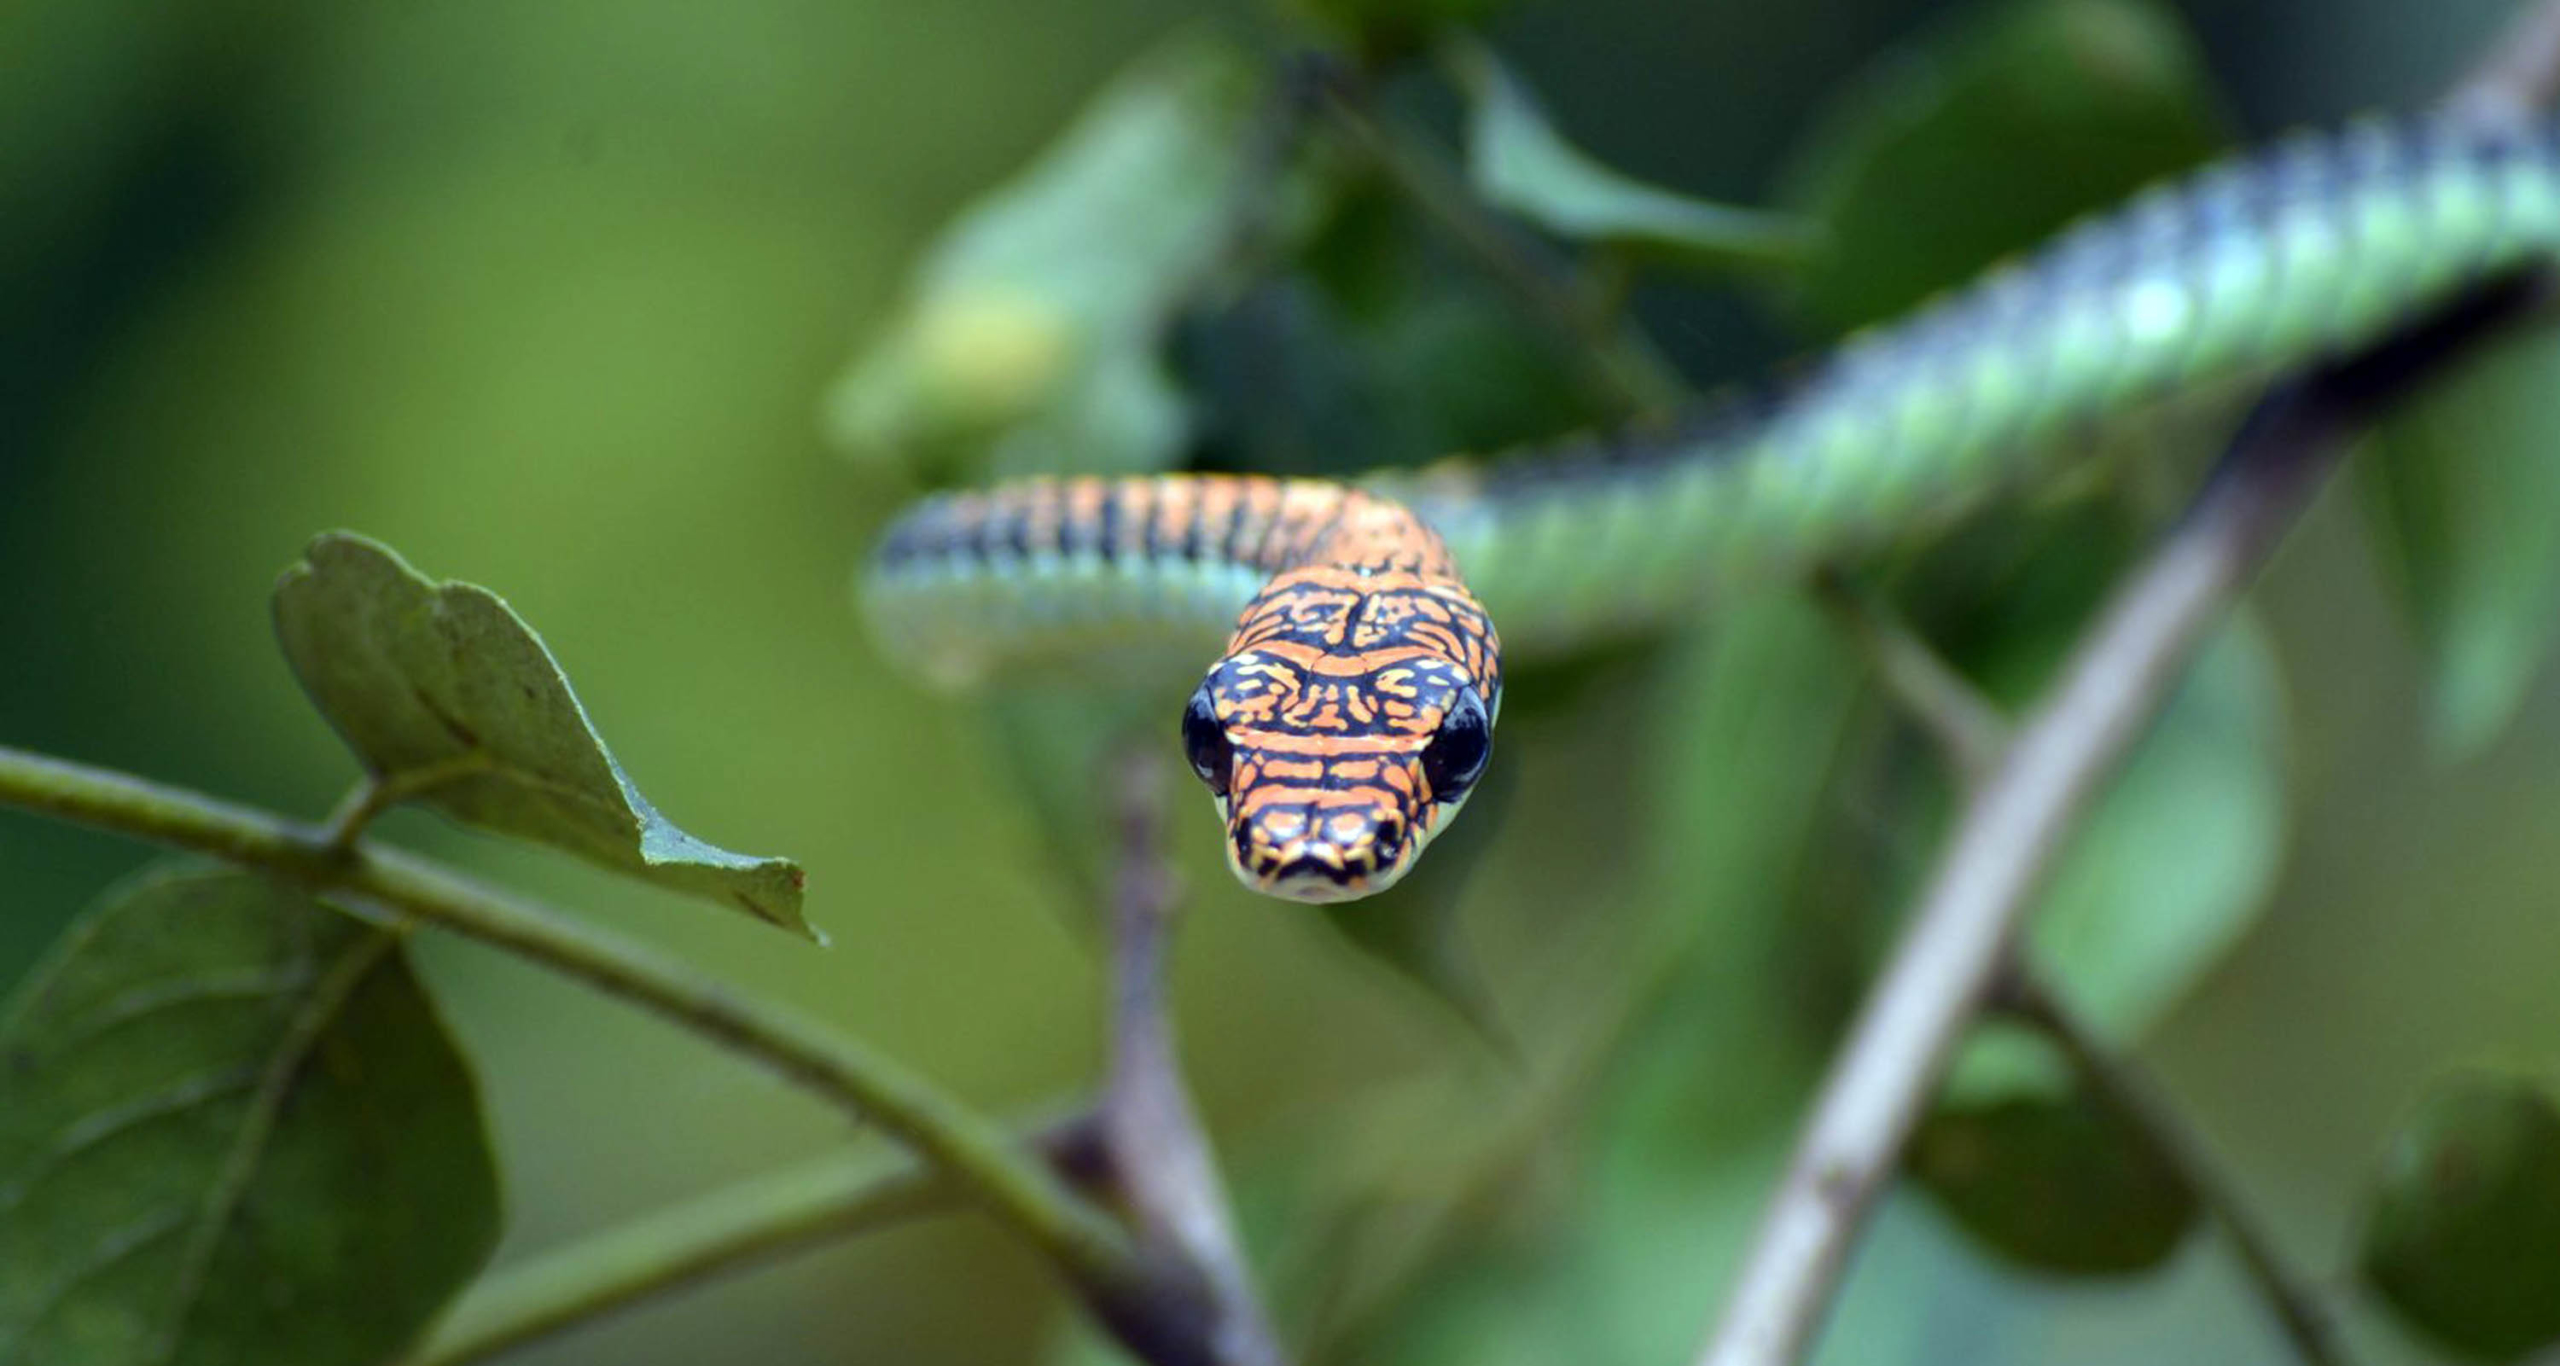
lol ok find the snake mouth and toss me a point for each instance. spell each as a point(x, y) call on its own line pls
point(1316, 870)
point(1318, 882)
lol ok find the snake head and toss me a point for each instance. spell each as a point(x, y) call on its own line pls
point(1331, 784)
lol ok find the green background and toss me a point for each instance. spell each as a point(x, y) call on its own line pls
point(547, 295)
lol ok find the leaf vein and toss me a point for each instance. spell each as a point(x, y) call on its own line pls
point(222, 1201)
point(106, 1254)
point(98, 1126)
point(143, 1002)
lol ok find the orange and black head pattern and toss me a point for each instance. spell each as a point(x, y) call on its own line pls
point(1352, 713)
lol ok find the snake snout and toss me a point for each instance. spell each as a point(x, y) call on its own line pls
point(1304, 853)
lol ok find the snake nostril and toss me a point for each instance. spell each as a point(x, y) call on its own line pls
point(1390, 833)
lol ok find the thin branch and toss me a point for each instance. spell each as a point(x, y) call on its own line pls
point(965, 1146)
point(2014, 825)
point(1968, 729)
point(2130, 1092)
point(757, 1220)
point(738, 1226)
point(1165, 1169)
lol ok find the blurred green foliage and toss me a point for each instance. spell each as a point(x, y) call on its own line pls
point(552, 297)
point(2465, 1223)
point(2457, 494)
point(1991, 132)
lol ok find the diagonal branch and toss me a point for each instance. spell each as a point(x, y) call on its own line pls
point(2014, 824)
point(760, 1219)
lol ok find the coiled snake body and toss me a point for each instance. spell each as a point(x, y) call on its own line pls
point(1353, 707)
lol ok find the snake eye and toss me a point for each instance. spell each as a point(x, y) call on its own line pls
point(1204, 742)
point(1456, 754)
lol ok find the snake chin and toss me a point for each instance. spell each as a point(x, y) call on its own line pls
point(1315, 884)
point(1320, 873)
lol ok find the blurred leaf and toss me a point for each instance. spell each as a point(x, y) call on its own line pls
point(231, 1129)
point(2462, 488)
point(1056, 747)
point(1413, 928)
point(2170, 868)
point(1520, 163)
point(2168, 871)
point(1375, 351)
point(450, 699)
point(2464, 1233)
point(1031, 336)
point(2003, 1060)
point(1385, 31)
point(1987, 135)
point(2064, 1184)
point(2176, 860)
point(1703, 1084)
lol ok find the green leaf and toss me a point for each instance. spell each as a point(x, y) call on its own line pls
point(1375, 350)
point(1031, 335)
point(1986, 136)
point(2167, 873)
point(2177, 858)
point(2462, 489)
point(2169, 870)
point(448, 698)
point(2463, 1237)
point(2065, 1184)
point(1520, 163)
point(232, 1129)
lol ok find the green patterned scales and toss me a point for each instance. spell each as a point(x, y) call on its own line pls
point(2253, 266)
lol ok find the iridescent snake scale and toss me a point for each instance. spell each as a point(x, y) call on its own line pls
point(1353, 707)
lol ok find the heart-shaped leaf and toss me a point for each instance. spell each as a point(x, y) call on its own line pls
point(449, 699)
point(232, 1129)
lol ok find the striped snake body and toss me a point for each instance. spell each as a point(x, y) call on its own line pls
point(1353, 706)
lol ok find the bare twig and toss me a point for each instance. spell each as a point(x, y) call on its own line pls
point(765, 1217)
point(1961, 935)
point(2129, 1092)
point(1968, 729)
point(758, 1220)
point(1205, 1310)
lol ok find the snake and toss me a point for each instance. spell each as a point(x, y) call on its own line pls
point(1351, 710)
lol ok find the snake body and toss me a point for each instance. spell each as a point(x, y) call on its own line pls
point(1355, 651)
